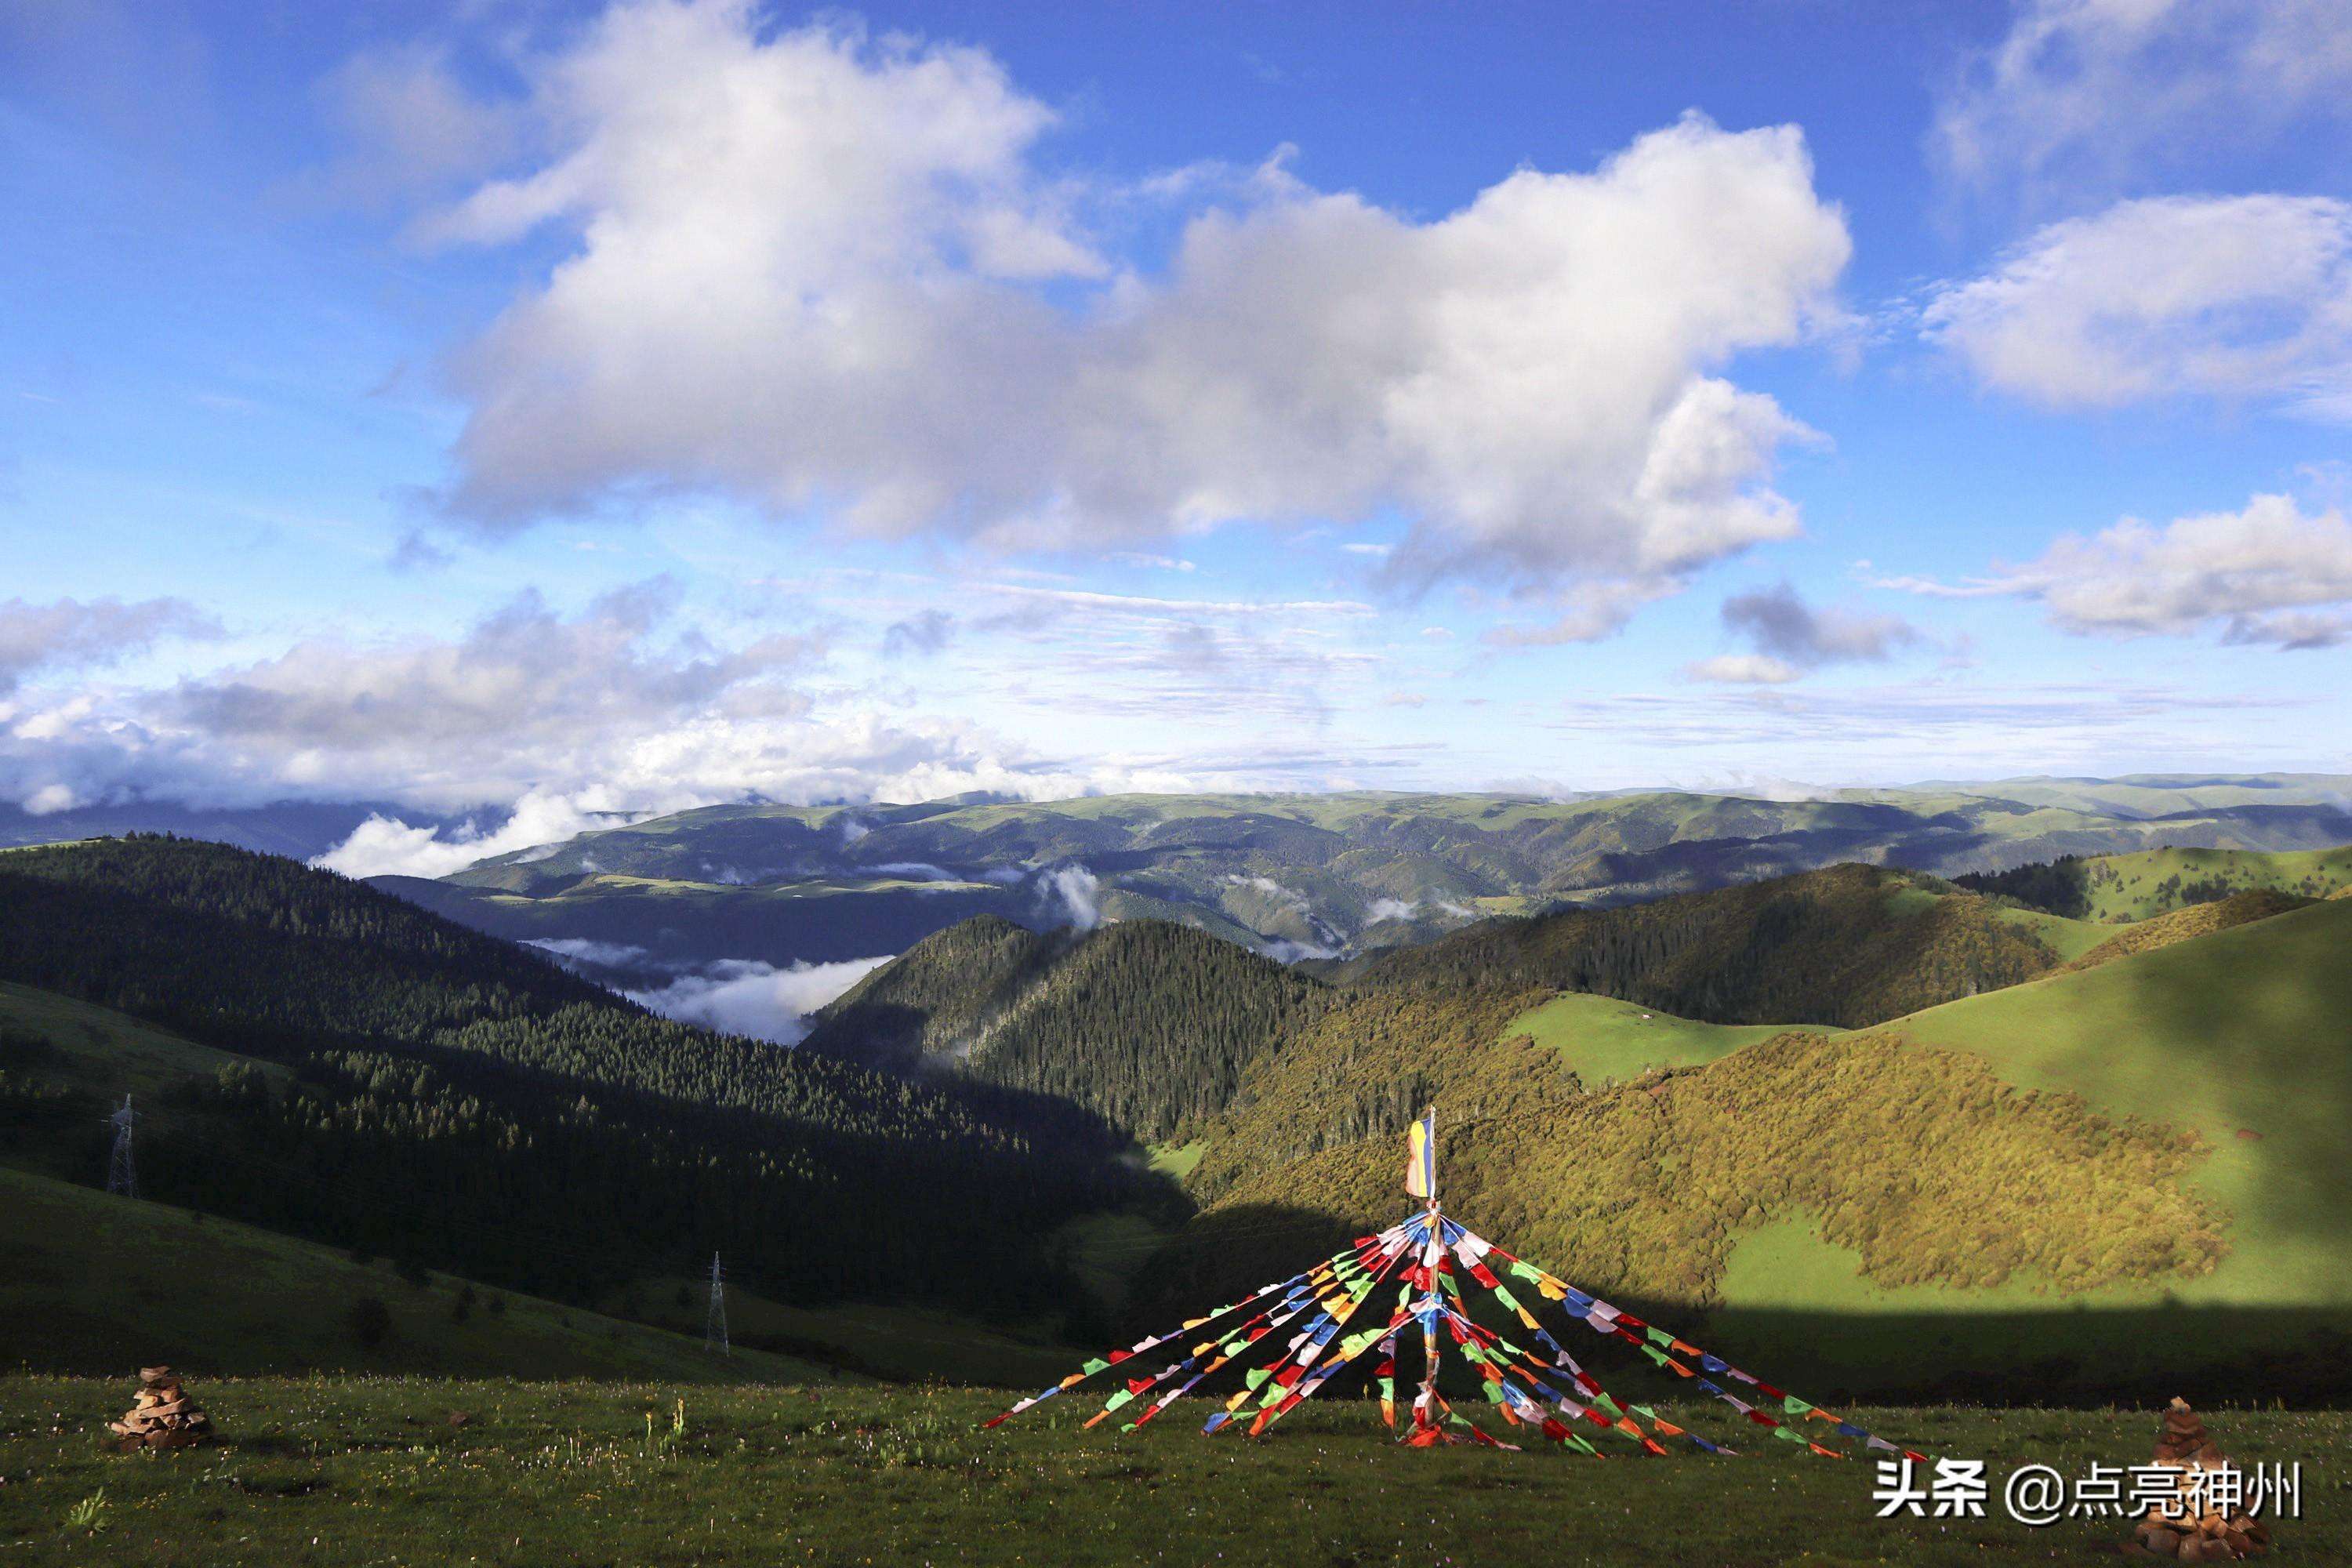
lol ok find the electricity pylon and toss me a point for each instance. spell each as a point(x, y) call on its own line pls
point(121, 1169)
point(714, 1321)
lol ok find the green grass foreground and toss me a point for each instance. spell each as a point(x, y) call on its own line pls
point(364, 1471)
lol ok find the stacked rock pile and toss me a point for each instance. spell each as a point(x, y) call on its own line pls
point(163, 1417)
point(2197, 1528)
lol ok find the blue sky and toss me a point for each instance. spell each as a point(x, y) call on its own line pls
point(620, 407)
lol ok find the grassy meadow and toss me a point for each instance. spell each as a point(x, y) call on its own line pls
point(1605, 1041)
point(2149, 882)
point(381, 1471)
point(2241, 1036)
point(84, 1277)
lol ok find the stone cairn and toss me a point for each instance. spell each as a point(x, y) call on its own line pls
point(163, 1417)
point(2195, 1530)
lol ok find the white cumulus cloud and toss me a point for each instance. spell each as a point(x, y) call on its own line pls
point(2237, 297)
point(2100, 94)
point(2269, 573)
point(617, 708)
point(385, 845)
point(817, 269)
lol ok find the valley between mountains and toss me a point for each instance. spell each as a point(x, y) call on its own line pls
point(2045, 1131)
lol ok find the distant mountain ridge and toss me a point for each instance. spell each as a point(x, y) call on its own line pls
point(301, 829)
point(1323, 878)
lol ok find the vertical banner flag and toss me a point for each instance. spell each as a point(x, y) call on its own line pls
point(1421, 1156)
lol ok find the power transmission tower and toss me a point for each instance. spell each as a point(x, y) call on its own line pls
point(714, 1321)
point(122, 1170)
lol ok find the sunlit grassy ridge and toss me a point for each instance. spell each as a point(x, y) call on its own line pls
point(2165, 1127)
point(2241, 1036)
point(2154, 881)
point(1922, 1160)
point(2120, 887)
point(1606, 1041)
point(2186, 924)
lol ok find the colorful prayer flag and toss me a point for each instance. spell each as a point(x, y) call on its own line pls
point(1421, 1156)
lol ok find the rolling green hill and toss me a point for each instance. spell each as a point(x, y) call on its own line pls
point(1604, 1041)
point(1154, 1027)
point(95, 1055)
point(2239, 1037)
point(94, 1284)
point(1299, 876)
point(2116, 889)
point(2078, 1186)
point(2185, 924)
point(458, 1102)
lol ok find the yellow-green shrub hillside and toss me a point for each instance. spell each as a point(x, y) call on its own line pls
point(2097, 1179)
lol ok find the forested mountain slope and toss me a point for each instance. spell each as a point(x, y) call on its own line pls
point(465, 1104)
point(1155, 1025)
point(1147, 1024)
point(1848, 946)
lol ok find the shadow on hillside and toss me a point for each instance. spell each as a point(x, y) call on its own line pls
point(2289, 1096)
point(2067, 1356)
